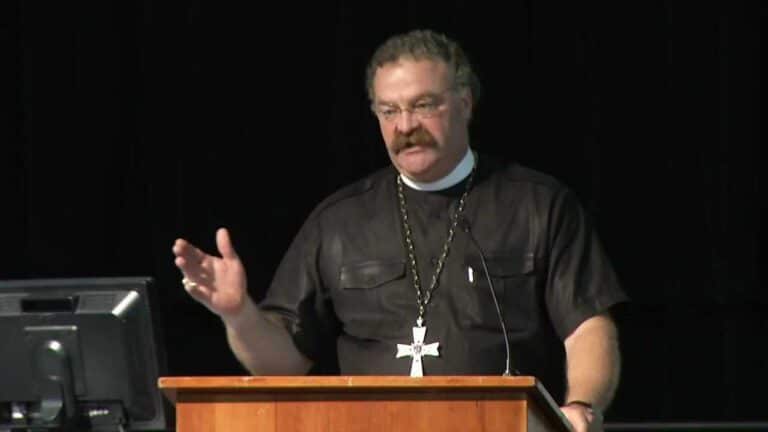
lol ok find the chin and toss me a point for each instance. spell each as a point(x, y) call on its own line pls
point(419, 166)
point(425, 175)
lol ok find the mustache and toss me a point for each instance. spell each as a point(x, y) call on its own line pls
point(418, 137)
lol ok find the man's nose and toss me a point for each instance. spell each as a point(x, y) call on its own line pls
point(406, 122)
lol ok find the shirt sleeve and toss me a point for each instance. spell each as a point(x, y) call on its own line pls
point(296, 299)
point(581, 281)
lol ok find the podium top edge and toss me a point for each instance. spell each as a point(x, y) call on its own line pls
point(328, 382)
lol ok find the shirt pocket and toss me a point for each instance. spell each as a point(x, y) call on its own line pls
point(514, 283)
point(364, 301)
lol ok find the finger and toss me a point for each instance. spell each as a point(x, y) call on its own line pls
point(580, 425)
point(224, 243)
point(197, 284)
point(187, 250)
point(188, 257)
point(197, 273)
point(188, 268)
point(590, 415)
point(577, 418)
point(596, 421)
point(200, 292)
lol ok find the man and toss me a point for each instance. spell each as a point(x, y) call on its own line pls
point(402, 270)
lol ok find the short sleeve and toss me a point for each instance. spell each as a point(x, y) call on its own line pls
point(581, 281)
point(295, 297)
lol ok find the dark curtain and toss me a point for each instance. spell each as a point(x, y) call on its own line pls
point(132, 123)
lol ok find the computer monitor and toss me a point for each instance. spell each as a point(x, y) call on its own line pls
point(81, 354)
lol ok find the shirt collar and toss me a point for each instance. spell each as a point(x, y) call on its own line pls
point(459, 173)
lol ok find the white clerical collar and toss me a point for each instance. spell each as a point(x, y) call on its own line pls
point(458, 174)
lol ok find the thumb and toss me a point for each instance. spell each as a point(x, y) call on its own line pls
point(224, 243)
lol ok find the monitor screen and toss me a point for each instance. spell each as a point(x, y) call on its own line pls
point(81, 354)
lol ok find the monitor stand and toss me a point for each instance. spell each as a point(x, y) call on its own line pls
point(58, 408)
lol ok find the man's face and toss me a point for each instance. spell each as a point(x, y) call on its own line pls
point(423, 117)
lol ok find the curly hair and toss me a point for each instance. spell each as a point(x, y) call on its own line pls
point(425, 45)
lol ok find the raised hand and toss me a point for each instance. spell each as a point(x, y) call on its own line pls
point(219, 283)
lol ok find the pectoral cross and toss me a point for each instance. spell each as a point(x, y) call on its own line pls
point(417, 349)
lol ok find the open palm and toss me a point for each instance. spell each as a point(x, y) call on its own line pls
point(219, 283)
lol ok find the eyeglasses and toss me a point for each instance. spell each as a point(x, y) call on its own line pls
point(427, 108)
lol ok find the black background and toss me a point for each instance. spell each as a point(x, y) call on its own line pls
point(131, 123)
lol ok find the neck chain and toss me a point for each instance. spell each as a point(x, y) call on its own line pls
point(422, 299)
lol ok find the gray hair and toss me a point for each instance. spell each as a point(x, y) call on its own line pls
point(425, 45)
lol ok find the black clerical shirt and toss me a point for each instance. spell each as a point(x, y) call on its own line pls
point(345, 292)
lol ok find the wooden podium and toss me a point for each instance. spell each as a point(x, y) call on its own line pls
point(362, 403)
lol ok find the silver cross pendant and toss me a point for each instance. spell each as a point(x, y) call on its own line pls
point(417, 350)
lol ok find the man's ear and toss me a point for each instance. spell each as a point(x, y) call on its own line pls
point(467, 102)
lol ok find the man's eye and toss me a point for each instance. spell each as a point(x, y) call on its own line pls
point(425, 106)
point(388, 111)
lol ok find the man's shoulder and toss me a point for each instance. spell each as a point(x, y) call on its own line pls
point(358, 189)
point(512, 171)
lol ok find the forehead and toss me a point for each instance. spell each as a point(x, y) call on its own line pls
point(406, 79)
